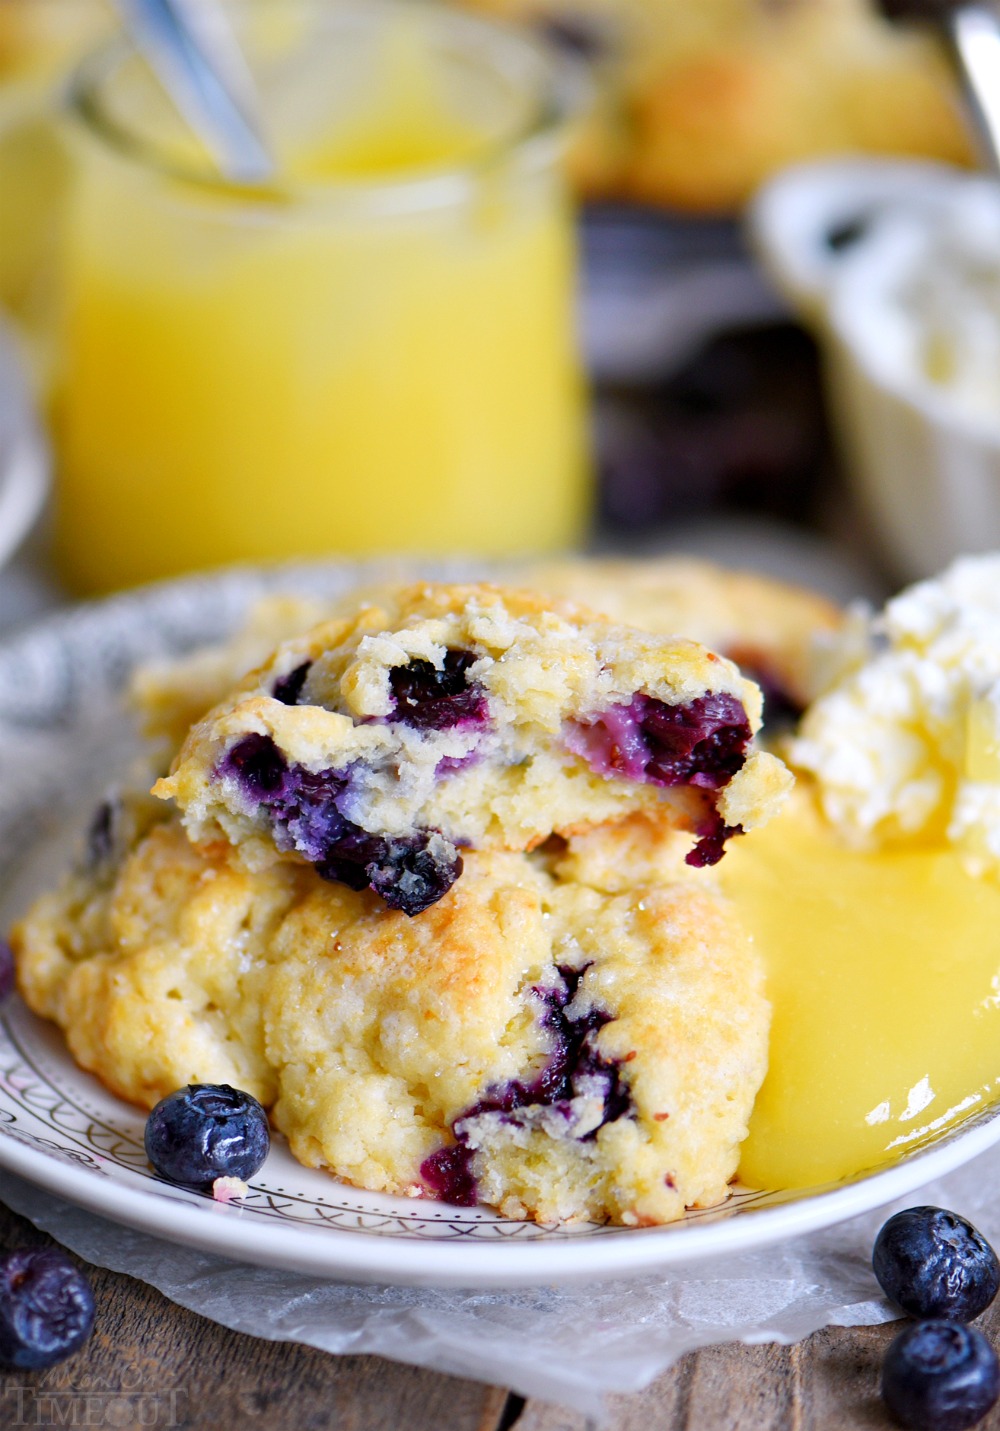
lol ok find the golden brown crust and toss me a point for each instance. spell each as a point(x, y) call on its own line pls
point(545, 666)
point(769, 627)
point(371, 1034)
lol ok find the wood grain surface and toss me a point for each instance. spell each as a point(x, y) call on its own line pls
point(150, 1363)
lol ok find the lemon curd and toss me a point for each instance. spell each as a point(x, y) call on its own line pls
point(884, 976)
point(377, 354)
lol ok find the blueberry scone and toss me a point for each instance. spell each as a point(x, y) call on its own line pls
point(700, 102)
point(171, 693)
point(570, 1049)
point(770, 628)
point(437, 720)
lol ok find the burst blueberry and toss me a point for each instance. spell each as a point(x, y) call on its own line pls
point(430, 697)
point(46, 1308)
point(207, 1131)
point(933, 1263)
point(409, 873)
point(574, 1063)
point(259, 766)
point(700, 743)
point(940, 1376)
point(288, 689)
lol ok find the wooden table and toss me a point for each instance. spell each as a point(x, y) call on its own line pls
point(150, 1363)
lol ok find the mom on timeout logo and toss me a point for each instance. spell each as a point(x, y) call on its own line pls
point(91, 1401)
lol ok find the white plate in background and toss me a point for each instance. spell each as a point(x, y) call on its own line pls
point(24, 456)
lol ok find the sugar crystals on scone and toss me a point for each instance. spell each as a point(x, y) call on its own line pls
point(545, 1045)
point(439, 719)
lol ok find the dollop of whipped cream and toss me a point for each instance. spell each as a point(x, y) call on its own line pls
point(905, 741)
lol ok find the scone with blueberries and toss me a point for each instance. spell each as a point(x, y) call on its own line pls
point(574, 1046)
point(770, 628)
point(774, 631)
point(381, 746)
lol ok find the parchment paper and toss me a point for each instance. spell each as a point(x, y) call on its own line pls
point(567, 1345)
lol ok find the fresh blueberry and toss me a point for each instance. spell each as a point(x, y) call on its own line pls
point(46, 1308)
point(207, 1131)
point(940, 1376)
point(6, 970)
point(933, 1263)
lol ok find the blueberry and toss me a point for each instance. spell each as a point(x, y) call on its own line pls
point(940, 1376)
point(574, 1065)
point(702, 742)
point(46, 1308)
point(713, 833)
point(933, 1263)
point(428, 697)
point(448, 1175)
point(288, 689)
point(259, 766)
point(101, 833)
point(410, 873)
point(207, 1131)
point(6, 970)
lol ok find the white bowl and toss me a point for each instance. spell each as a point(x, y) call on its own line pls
point(924, 458)
point(24, 456)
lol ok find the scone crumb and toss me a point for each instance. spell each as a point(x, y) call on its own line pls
point(229, 1189)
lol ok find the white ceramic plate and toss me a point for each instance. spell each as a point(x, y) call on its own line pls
point(24, 459)
point(62, 737)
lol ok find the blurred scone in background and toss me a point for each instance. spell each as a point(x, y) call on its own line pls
point(701, 100)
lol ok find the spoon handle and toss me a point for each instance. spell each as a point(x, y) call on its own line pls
point(974, 32)
point(971, 31)
point(192, 49)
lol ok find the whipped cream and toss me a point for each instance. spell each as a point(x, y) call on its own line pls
point(905, 741)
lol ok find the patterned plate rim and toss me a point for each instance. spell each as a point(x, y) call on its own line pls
point(66, 669)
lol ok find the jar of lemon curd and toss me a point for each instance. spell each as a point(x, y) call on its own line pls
point(373, 353)
point(40, 41)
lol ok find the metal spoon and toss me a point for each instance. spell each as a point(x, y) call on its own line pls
point(971, 31)
point(974, 31)
point(191, 47)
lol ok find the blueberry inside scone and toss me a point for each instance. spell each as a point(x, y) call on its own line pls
point(568, 1050)
point(381, 747)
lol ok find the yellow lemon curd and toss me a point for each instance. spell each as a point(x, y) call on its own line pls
point(884, 975)
point(377, 355)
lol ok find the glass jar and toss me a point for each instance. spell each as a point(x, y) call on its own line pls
point(374, 354)
point(40, 41)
